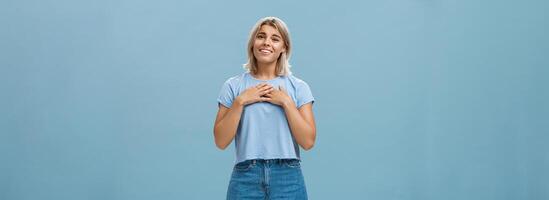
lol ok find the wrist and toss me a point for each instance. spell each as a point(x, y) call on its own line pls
point(238, 102)
point(288, 104)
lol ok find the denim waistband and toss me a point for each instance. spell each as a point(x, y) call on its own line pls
point(277, 161)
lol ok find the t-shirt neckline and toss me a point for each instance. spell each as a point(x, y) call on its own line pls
point(252, 77)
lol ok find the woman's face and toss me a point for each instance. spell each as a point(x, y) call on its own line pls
point(268, 45)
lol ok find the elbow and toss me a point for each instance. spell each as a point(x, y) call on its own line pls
point(307, 148)
point(220, 145)
point(308, 145)
point(220, 141)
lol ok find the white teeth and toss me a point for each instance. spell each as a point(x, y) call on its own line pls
point(265, 51)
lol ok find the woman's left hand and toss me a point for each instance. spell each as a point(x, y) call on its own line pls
point(279, 97)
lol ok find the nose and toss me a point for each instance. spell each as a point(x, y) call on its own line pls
point(267, 42)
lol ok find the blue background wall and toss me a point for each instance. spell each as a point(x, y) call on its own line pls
point(416, 99)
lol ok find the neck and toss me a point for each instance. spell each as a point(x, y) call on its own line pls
point(266, 71)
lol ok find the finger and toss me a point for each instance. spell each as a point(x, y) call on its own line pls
point(266, 88)
point(265, 99)
point(264, 92)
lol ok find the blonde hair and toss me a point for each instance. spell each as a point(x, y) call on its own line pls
point(282, 64)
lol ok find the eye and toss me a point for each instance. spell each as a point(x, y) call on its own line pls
point(260, 36)
point(276, 39)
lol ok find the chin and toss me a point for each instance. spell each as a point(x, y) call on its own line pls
point(263, 59)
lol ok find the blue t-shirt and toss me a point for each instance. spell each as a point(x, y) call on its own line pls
point(263, 131)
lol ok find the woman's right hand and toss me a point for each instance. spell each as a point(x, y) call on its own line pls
point(254, 94)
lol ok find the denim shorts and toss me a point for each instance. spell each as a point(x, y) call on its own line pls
point(267, 179)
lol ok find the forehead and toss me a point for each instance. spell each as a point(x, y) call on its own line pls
point(268, 29)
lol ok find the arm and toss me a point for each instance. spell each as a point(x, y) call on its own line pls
point(302, 123)
point(226, 124)
point(227, 120)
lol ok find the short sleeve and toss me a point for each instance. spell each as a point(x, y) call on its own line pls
point(304, 94)
point(226, 95)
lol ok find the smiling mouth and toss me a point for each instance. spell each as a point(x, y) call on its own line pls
point(265, 51)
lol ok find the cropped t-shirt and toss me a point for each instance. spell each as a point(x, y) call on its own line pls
point(263, 131)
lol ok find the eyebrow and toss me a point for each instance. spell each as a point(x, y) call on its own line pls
point(274, 35)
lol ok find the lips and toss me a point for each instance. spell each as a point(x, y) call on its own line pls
point(262, 50)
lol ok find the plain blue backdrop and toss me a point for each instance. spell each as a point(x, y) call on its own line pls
point(415, 99)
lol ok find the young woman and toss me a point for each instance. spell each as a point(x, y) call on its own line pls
point(269, 113)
